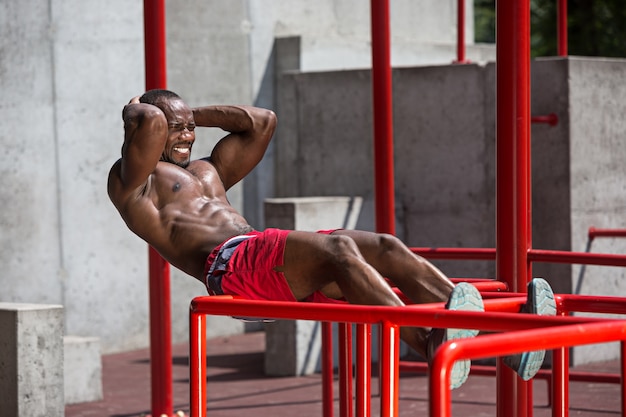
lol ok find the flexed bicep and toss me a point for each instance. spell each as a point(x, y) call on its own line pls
point(239, 152)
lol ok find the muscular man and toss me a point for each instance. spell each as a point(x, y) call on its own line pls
point(180, 208)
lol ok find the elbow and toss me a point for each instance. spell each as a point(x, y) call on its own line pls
point(143, 116)
point(268, 123)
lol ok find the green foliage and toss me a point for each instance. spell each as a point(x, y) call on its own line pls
point(595, 27)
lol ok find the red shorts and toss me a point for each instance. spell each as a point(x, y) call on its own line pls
point(250, 272)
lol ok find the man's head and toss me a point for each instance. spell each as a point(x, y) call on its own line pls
point(180, 125)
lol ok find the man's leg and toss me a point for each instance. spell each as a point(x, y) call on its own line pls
point(334, 264)
point(417, 278)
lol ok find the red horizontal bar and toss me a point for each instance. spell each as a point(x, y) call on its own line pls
point(595, 232)
point(551, 119)
point(488, 254)
point(431, 315)
point(490, 370)
point(554, 256)
point(593, 304)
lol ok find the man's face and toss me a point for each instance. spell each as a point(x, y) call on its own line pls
point(180, 133)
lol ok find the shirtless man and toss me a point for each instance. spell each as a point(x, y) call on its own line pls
point(180, 208)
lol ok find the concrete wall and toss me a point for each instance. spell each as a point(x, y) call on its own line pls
point(443, 155)
point(67, 69)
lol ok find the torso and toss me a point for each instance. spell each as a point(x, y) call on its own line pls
point(183, 214)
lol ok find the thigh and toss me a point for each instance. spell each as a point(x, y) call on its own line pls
point(308, 264)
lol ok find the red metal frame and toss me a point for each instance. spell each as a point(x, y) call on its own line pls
point(501, 315)
point(508, 343)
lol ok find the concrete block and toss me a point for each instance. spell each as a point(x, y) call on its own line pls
point(82, 369)
point(312, 213)
point(31, 360)
point(292, 347)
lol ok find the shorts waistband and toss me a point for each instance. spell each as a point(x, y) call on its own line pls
point(220, 257)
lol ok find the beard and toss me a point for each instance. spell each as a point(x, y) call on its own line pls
point(182, 164)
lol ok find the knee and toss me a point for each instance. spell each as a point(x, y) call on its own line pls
point(343, 249)
point(387, 244)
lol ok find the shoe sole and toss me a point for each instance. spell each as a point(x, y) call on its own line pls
point(464, 297)
point(540, 301)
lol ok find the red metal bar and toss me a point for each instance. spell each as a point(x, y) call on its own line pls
point(596, 232)
point(197, 364)
point(513, 219)
point(623, 374)
point(389, 376)
point(552, 119)
point(542, 255)
point(160, 336)
point(345, 369)
point(363, 370)
point(512, 136)
point(160, 308)
point(562, 27)
point(487, 254)
point(383, 117)
point(460, 32)
point(560, 378)
point(154, 43)
point(508, 343)
point(327, 369)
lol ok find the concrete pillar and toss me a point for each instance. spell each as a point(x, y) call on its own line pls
point(82, 369)
point(31, 360)
point(292, 347)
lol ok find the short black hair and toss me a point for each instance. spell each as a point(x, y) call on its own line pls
point(157, 96)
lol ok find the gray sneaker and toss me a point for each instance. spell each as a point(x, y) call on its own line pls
point(464, 297)
point(540, 300)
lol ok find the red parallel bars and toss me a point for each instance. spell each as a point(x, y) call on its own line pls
point(430, 315)
point(160, 309)
point(508, 343)
point(383, 117)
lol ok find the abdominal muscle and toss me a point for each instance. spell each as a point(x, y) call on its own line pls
point(193, 235)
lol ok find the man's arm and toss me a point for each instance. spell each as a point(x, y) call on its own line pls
point(251, 129)
point(145, 134)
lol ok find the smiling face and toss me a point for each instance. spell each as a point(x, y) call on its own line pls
point(180, 132)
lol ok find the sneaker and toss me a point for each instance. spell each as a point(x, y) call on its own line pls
point(540, 300)
point(464, 297)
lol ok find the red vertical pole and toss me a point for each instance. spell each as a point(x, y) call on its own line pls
point(512, 171)
point(460, 32)
point(622, 346)
point(363, 369)
point(389, 378)
point(327, 369)
point(197, 364)
point(160, 309)
point(345, 370)
point(562, 27)
point(383, 117)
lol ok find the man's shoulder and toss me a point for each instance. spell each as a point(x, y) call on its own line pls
point(118, 192)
